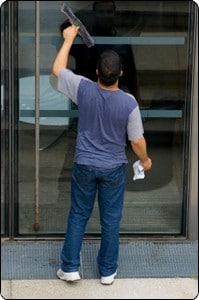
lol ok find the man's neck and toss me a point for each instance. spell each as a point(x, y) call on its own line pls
point(113, 87)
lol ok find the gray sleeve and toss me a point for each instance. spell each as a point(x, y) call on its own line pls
point(135, 128)
point(68, 84)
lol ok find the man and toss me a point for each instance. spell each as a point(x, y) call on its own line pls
point(106, 113)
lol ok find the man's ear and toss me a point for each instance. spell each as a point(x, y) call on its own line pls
point(97, 72)
point(121, 73)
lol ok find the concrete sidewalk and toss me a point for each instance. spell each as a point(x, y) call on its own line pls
point(150, 288)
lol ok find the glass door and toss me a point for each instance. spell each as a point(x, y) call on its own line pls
point(153, 39)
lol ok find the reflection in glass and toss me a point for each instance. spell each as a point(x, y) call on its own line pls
point(151, 37)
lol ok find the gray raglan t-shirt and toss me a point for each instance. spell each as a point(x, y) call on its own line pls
point(104, 119)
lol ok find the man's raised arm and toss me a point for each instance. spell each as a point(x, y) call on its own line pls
point(61, 60)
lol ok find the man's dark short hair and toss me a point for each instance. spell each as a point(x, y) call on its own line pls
point(109, 67)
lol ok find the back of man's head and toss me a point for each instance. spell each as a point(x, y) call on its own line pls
point(109, 67)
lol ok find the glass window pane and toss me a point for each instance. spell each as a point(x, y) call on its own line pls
point(26, 17)
point(152, 39)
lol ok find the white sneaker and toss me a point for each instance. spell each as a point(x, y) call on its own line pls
point(108, 279)
point(68, 276)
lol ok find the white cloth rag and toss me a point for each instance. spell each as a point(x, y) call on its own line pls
point(138, 170)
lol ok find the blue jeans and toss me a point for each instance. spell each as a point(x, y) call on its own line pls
point(109, 185)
